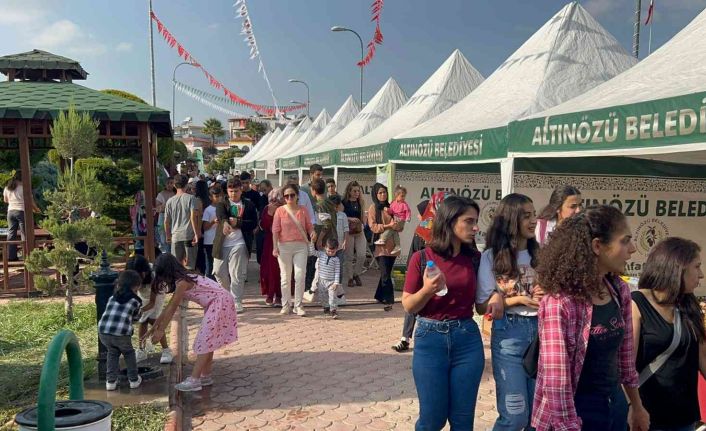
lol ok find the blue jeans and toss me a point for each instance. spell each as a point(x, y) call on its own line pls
point(447, 366)
point(600, 412)
point(514, 389)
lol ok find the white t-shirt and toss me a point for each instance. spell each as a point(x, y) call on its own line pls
point(235, 238)
point(209, 215)
point(487, 283)
point(14, 198)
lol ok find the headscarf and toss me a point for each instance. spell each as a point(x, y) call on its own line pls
point(424, 228)
point(379, 206)
point(275, 195)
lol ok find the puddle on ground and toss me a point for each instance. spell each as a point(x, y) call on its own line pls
point(152, 390)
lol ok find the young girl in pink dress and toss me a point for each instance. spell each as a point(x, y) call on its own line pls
point(218, 327)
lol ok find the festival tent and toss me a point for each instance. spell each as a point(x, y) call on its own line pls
point(258, 145)
point(311, 133)
point(451, 82)
point(345, 114)
point(570, 54)
point(248, 158)
point(266, 150)
point(386, 102)
point(637, 142)
point(287, 142)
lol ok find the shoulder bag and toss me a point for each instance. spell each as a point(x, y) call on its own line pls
point(310, 246)
point(660, 360)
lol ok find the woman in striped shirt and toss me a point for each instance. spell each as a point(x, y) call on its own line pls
point(585, 326)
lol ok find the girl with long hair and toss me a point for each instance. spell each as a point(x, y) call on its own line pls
point(379, 221)
point(507, 276)
point(585, 326)
point(448, 359)
point(666, 293)
point(219, 324)
point(353, 206)
point(291, 233)
point(564, 202)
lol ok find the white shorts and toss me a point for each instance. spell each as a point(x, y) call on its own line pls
point(153, 313)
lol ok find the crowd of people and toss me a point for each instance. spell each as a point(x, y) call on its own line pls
point(573, 347)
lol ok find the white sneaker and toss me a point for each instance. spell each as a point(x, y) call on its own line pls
point(136, 384)
point(190, 384)
point(239, 307)
point(286, 309)
point(379, 242)
point(396, 250)
point(207, 381)
point(167, 356)
point(111, 386)
point(140, 355)
point(300, 311)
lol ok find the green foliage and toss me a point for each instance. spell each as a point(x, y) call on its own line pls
point(165, 151)
point(255, 129)
point(224, 161)
point(142, 417)
point(180, 148)
point(123, 94)
point(92, 164)
point(213, 128)
point(128, 164)
point(54, 157)
point(74, 134)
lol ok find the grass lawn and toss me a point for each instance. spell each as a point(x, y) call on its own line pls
point(26, 327)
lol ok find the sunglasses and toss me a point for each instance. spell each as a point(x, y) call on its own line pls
point(290, 196)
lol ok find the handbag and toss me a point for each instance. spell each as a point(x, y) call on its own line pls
point(661, 359)
point(355, 226)
point(311, 251)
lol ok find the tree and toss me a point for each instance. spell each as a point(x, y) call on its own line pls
point(256, 130)
point(67, 222)
point(74, 134)
point(123, 94)
point(214, 128)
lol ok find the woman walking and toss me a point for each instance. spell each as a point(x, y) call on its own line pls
point(448, 359)
point(663, 308)
point(202, 195)
point(13, 197)
point(353, 205)
point(270, 282)
point(291, 234)
point(585, 330)
point(507, 274)
point(379, 221)
point(564, 202)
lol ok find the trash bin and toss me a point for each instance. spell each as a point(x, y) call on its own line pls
point(83, 415)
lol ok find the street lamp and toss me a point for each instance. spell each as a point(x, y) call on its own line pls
point(362, 56)
point(174, 90)
point(307, 93)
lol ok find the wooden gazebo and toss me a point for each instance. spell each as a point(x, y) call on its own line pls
point(39, 86)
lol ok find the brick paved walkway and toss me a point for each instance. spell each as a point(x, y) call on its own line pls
point(313, 373)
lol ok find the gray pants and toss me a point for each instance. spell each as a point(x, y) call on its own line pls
point(15, 223)
point(116, 346)
point(232, 269)
point(185, 250)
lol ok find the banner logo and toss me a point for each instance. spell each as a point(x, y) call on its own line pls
point(648, 234)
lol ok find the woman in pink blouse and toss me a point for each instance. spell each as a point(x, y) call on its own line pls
point(291, 232)
point(585, 326)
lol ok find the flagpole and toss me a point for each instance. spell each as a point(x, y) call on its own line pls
point(652, 24)
point(636, 30)
point(154, 94)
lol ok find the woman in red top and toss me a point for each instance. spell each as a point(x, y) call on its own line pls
point(448, 352)
point(269, 267)
point(585, 326)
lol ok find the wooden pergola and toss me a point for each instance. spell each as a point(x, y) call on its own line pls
point(39, 86)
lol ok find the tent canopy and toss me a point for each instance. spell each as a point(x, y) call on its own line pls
point(260, 144)
point(570, 54)
point(289, 160)
point(287, 142)
point(451, 82)
point(655, 110)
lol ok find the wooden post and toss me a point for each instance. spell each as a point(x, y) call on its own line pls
point(148, 181)
point(27, 196)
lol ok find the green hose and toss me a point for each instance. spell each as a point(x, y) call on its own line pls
point(63, 341)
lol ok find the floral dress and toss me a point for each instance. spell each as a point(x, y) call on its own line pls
point(219, 326)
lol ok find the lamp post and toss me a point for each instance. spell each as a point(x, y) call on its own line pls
point(362, 56)
point(308, 101)
point(174, 91)
point(296, 102)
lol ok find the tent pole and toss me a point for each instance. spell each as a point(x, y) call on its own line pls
point(507, 173)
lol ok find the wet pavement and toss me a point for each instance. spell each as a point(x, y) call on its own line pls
point(153, 389)
point(314, 373)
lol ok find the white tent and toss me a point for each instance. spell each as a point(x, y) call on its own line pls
point(311, 133)
point(451, 82)
point(265, 152)
point(257, 146)
point(386, 102)
point(567, 56)
point(287, 142)
point(345, 114)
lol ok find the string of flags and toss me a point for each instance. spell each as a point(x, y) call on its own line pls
point(248, 32)
point(191, 92)
point(215, 83)
point(376, 11)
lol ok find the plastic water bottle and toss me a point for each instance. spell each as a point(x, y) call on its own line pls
point(433, 271)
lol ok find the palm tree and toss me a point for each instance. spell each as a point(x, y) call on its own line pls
point(255, 130)
point(213, 127)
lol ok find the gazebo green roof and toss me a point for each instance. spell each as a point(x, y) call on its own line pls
point(44, 100)
point(41, 60)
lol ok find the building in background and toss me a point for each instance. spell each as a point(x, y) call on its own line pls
point(193, 137)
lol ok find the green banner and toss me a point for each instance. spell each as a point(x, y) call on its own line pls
point(261, 164)
point(328, 158)
point(468, 146)
point(370, 155)
point(290, 163)
point(662, 122)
